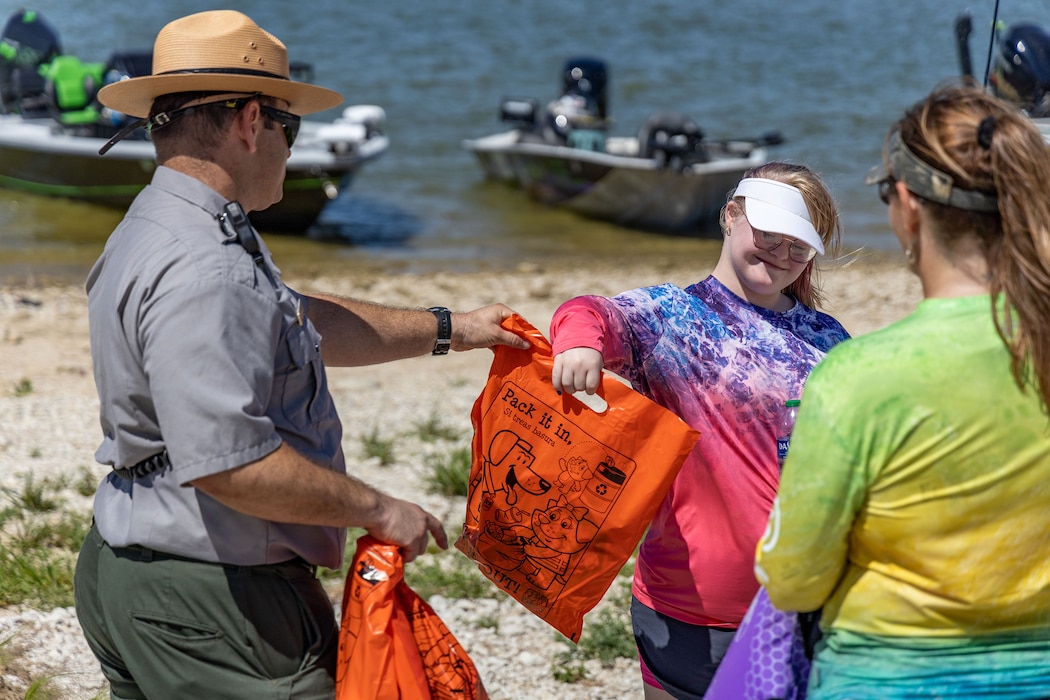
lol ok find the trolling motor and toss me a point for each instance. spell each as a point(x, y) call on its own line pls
point(672, 139)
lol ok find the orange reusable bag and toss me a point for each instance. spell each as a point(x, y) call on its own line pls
point(559, 494)
point(391, 642)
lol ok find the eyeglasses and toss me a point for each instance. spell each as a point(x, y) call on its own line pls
point(887, 185)
point(289, 122)
point(798, 252)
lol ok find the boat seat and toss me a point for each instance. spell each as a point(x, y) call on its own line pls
point(22, 90)
point(586, 139)
point(71, 86)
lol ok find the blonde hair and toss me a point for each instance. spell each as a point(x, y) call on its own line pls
point(1010, 159)
point(822, 211)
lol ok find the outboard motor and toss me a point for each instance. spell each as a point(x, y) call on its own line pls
point(577, 117)
point(673, 139)
point(121, 65)
point(520, 111)
point(27, 43)
point(124, 64)
point(1021, 69)
point(587, 78)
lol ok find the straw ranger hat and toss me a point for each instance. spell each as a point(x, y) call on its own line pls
point(222, 51)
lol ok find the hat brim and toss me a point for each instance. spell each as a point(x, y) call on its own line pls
point(135, 96)
point(769, 217)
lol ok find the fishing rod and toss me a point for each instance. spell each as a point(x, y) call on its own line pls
point(991, 44)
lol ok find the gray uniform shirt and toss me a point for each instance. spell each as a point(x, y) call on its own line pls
point(199, 350)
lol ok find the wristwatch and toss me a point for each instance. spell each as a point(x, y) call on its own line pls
point(444, 335)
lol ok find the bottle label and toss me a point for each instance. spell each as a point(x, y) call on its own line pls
point(782, 449)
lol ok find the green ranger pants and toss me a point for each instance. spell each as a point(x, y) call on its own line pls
point(165, 627)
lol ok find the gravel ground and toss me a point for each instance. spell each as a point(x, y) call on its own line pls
point(53, 430)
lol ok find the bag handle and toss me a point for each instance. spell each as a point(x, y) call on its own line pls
point(540, 346)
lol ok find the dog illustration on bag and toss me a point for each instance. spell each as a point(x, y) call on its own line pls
point(509, 466)
point(540, 546)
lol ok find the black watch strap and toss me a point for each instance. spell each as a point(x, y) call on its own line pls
point(444, 334)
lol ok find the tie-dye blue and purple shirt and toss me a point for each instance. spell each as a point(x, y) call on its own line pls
point(725, 367)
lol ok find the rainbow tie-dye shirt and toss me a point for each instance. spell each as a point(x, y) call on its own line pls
point(725, 367)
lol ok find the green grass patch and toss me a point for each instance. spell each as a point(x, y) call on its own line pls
point(42, 689)
point(607, 636)
point(86, 483)
point(487, 622)
point(434, 428)
point(449, 574)
point(41, 577)
point(43, 496)
point(23, 388)
point(375, 445)
point(448, 474)
point(8, 652)
point(39, 541)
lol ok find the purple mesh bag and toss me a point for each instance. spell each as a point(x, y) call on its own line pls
point(766, 659)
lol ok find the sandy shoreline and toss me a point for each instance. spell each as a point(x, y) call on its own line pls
point(44, 340)
point(52, 429)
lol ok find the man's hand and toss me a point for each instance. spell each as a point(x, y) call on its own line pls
point(407, 525)
point(577, 369)
point(481, 328)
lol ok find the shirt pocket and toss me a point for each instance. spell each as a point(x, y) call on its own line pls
point(302, 380)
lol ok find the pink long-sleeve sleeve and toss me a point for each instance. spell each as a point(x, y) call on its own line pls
point(578, 324)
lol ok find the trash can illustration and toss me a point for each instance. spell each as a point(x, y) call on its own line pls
point(604, 486)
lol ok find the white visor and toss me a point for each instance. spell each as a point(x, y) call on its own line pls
point(778, 208)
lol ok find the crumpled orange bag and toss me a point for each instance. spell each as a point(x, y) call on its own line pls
point(560, 495)
point(391, 642)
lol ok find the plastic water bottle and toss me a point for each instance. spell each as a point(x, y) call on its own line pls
point(784, 428)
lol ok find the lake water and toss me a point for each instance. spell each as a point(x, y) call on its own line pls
point(830, 75)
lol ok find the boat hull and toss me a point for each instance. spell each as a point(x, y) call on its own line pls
point(36, 157)
point(623, 189)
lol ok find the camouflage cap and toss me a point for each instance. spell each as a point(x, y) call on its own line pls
point(926, 181)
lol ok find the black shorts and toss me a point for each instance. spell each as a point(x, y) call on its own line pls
point(676, 656)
